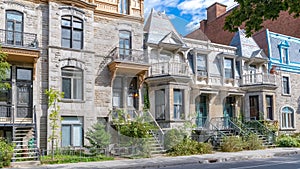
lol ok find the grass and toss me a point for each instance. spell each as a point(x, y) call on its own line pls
point(61, 159)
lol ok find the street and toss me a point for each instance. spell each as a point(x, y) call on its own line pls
point(289, 162)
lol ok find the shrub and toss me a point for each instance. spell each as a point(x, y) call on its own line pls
point(61, 159)
point(173, 137)
point(232, 144)
point(97, 136)
point(253, 142)
point(6, 152)
point(288, 141)
point(190, 147)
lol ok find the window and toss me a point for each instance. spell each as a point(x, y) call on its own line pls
point(72, 32)
point(228, 66)
point(201, 65)
point(14, 27)
point(71, 130)
point(178, 104)
point(160, 104)
point(124, 6)
point(254, 107)
point(125, 44)
point(72, 83)
point(284, 55)
point(117, 92)
point(269, 100)
point(286, 85)
point(287, 118)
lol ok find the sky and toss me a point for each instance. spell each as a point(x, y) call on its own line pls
point(184, 14)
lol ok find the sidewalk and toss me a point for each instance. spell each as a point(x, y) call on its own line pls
point(172, 161)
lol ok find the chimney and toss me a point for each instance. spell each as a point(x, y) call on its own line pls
point(203, 25)
point(215, 10)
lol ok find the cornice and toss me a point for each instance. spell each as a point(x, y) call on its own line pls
point(117, 15)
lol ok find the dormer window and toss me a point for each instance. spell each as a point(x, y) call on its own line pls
point(124, 6)
point(283, 52)
point(201, 64)
point(228, 68)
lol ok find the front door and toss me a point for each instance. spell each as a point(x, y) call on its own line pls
point(24, 93)
point(201, 110)
point(228, 110)
point(254, 108)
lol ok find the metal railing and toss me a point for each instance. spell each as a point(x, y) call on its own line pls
point(262, 129)
point(5, 111)
point(258, 78)
point(18, 39)
point(128, 55)
point(169, 68)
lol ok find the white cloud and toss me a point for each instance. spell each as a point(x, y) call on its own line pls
point(159, 5)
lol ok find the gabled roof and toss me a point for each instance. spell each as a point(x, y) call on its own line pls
point(246, 46)
point(161, 30)
point(198, 35)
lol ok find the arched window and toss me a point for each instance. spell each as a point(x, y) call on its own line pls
point(72, 83)
point(14, 27)
point(71, 32)
point(287, 118)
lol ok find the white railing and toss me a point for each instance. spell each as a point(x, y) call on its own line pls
point(169, 68)
point(258, 78)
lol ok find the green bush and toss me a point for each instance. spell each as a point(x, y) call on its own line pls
point(98, 136)
point(288, 141)
point(232, 144)
point(6, 152)
point(190, 147)
point(173, 137)
point(253, 142)
point(61, 159)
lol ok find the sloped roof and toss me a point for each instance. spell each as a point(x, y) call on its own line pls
point(246, 46)
point(161, 30)
point(198, 35)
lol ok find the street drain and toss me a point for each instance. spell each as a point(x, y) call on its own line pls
point(212, 160)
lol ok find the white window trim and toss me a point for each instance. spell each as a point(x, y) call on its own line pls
point(289, 83)
point(294, 116)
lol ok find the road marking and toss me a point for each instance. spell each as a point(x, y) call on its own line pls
point(266, 165)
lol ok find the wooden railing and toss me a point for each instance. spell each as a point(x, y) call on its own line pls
point(258, 78)
point(169, 68)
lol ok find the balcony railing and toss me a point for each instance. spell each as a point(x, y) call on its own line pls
point(5, 111)
point(258, 79)
point(18, 39)
point(169, 68)
point(128, 55)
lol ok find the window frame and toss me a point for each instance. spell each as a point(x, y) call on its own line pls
point(180, 114)
point(285, 115)
point(160, 115)
point(72, 28)
point(201, 71)
point(122, 48)
point(286, 87)
point(124, 7)
point(270, 107)
point(72, 78)
point(72, 125)
point(227, 68)
point(14, 32)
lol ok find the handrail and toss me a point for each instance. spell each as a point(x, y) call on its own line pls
point(155, 122)
point(262, 129)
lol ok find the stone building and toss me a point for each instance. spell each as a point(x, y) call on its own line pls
point(84, 48)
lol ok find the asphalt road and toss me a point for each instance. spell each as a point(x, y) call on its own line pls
point(289, 162)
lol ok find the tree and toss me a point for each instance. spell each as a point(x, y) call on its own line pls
point(253, 13)
point(4, 68)
point(97, 136)
point(54, 97)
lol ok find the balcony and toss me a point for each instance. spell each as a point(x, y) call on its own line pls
point(258, 79)
point(23, 115)
point(18, 39)
point(169, 68)
point(128, 61)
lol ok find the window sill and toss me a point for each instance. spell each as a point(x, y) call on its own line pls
point(72, 101)
point(287, 95)
point(287, 129)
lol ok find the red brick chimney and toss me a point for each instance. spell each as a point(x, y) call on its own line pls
point(215, 10)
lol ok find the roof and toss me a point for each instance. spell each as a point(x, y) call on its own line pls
point(246, 46)
point(198, 35)
point(161, 30)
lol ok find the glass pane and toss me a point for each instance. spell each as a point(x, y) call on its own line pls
point(18, 27)
point(23, 95)
point(66, 33)
point(66, 133)
point(10, 38)
point(76, 44)
point(77, 136)
point(177, 97)
point(77, 88)
point(77, 35)
point(228, 63)
point(24, 74)
point(65, 22)
point(66, 43)
point(77, 25)
point(124, 35)
point(117, 99)
point(18, 38)
point(10, 26)
point(130, 100)
point(13, 15)
point(201, 64)
point(66, 87)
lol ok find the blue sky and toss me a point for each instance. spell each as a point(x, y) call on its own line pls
point(184, 14)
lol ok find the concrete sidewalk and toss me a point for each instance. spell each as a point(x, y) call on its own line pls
point(172, 161)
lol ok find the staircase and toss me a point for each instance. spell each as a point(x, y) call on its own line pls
point(25, 141)
point(156, 146)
